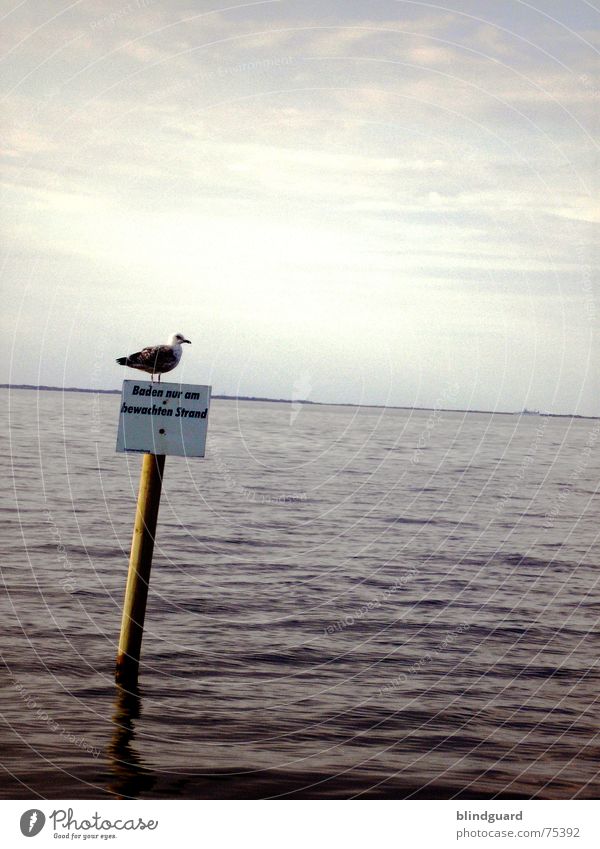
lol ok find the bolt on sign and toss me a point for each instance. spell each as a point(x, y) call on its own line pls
point(163, 418)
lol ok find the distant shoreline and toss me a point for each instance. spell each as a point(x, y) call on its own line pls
point(313, 403)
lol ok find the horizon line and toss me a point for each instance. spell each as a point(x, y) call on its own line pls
point(220, 397)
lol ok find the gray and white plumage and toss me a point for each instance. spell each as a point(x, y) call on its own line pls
point(157, 359)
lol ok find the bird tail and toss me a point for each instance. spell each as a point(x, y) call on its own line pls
point(122, 361)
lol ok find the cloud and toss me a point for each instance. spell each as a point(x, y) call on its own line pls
point(579, 209)
point(391, 165)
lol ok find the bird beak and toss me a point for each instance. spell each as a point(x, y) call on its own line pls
point(187, 340)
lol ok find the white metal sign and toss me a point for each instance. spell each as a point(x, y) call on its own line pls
point(163, 418)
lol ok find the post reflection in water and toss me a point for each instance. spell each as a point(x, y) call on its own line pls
point(131, 779)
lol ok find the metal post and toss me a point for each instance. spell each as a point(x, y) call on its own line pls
point(140, 563)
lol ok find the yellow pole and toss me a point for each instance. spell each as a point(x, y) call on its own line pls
point(140, 563)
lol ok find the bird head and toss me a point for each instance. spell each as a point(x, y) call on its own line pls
point(178, 339)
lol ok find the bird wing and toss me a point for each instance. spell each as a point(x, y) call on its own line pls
point(156, 357)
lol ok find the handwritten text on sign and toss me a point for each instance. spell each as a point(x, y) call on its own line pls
point(165, 418)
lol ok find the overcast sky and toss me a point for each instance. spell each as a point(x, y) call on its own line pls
point(344, 200)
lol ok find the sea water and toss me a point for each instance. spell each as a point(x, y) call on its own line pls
point(344, 601)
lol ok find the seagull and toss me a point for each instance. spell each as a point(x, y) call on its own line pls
point(157, 359)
